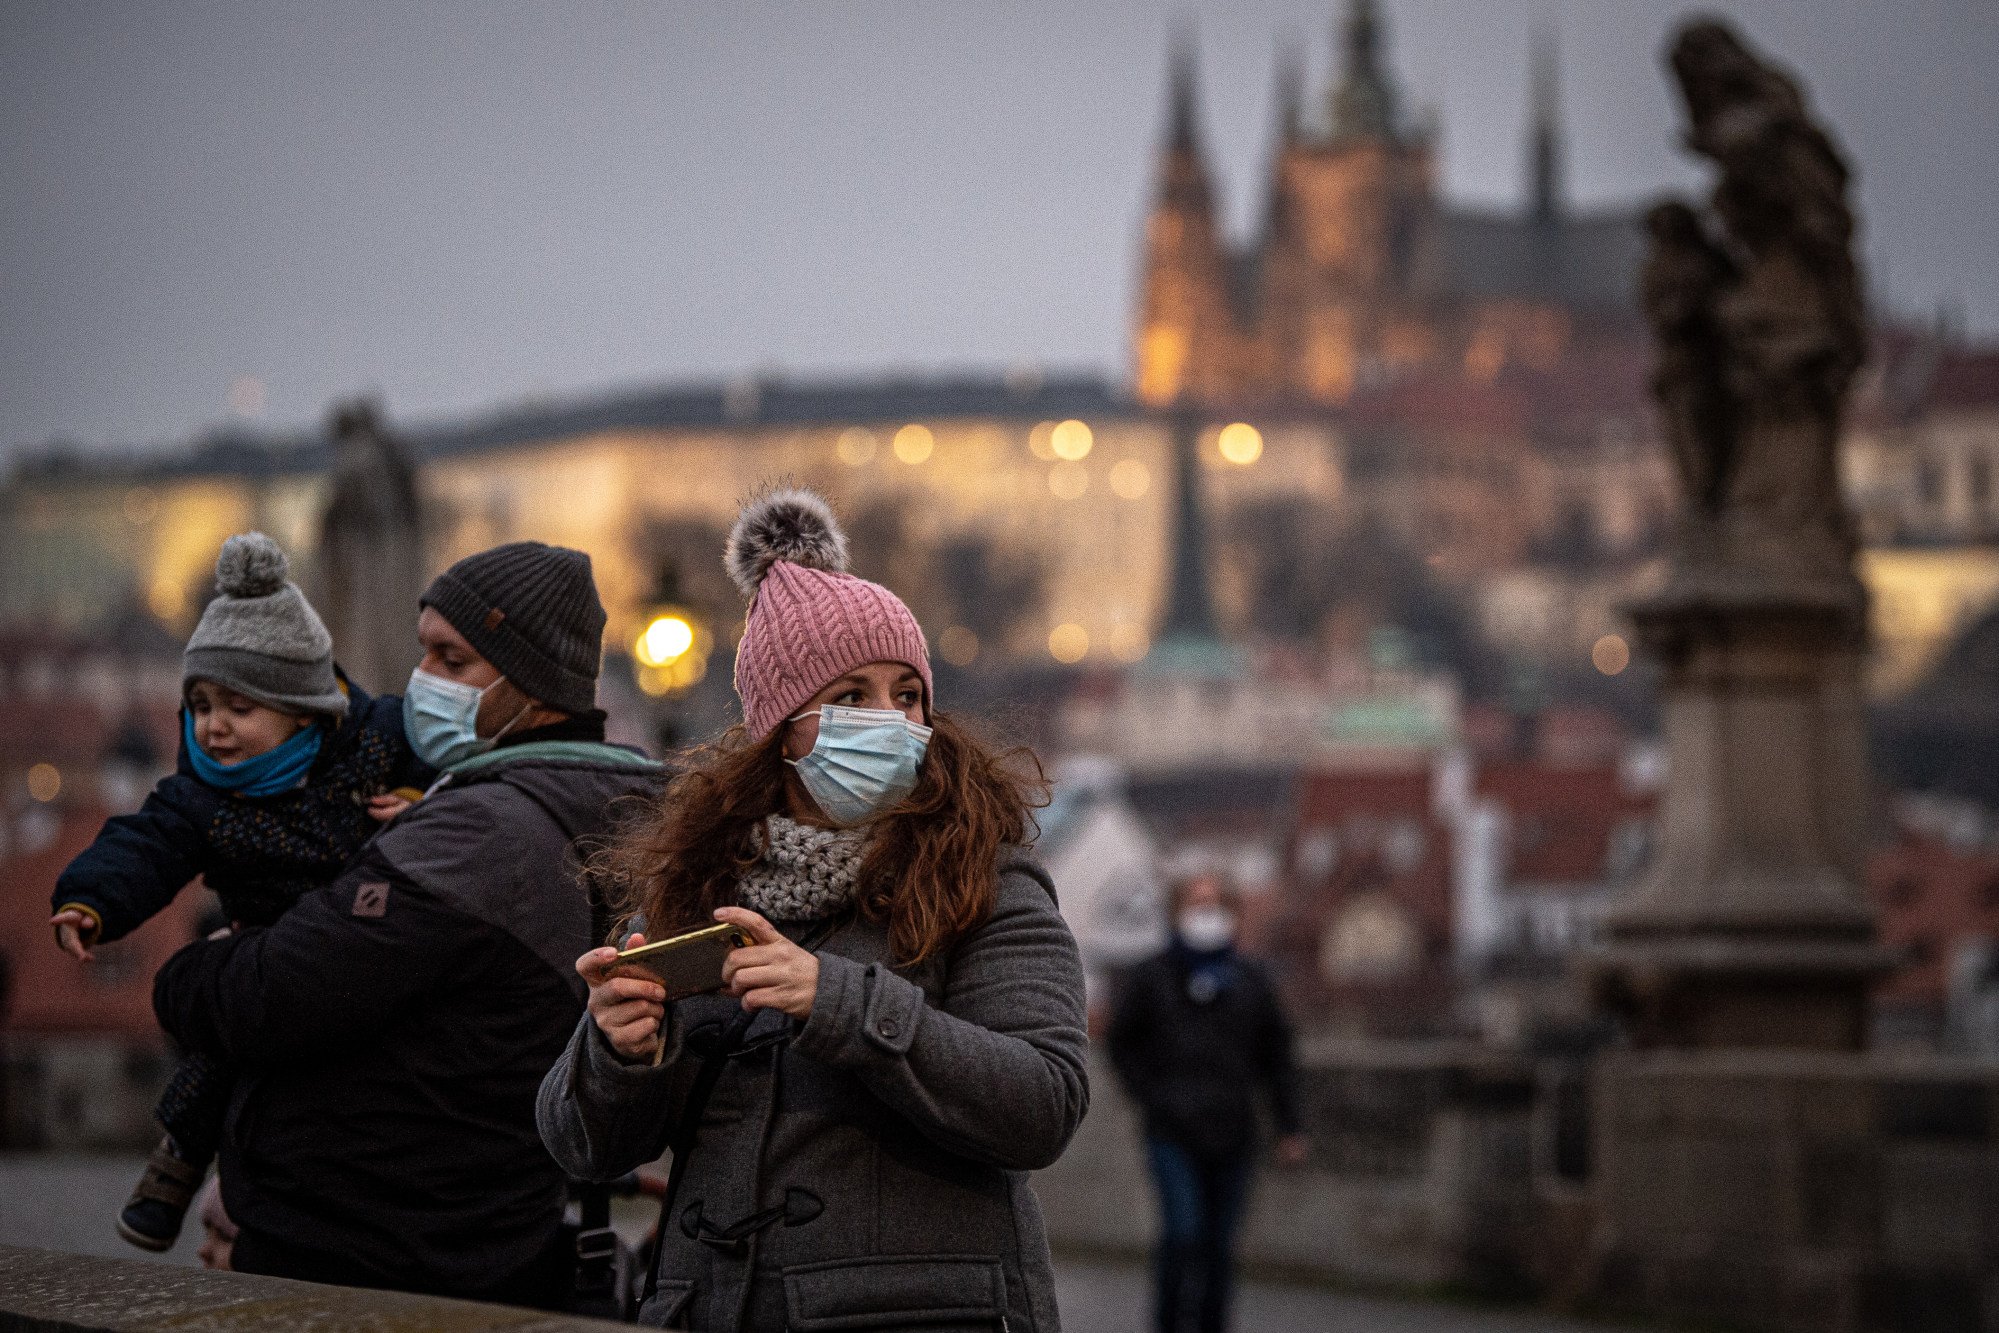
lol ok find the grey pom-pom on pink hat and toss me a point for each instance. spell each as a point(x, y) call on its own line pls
point(810, 621)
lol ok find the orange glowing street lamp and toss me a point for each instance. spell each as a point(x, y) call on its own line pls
point(671, 651)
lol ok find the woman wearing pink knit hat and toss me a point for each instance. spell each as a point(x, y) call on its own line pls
point(853, 1115)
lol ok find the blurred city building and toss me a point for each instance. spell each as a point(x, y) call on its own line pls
point(87, 725)
point(1362, 520)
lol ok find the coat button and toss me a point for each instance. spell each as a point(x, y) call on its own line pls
point(888, 1028)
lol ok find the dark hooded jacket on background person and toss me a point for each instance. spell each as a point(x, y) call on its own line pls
point(392, 1030)
point(1193, 1038)
point(259, 853)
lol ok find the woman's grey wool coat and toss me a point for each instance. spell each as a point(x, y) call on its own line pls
point(866, 1169)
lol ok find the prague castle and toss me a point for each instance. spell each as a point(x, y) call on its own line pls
point(1377, 369)
point(1360, 274)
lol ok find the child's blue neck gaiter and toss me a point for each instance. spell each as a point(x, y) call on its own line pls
point(266, 774)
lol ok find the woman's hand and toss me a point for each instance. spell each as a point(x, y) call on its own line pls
point(770, 972)
point(628, 1010)
point(70, 926)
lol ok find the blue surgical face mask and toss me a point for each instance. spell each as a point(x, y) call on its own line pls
point(278, 769)
point(441, 719)
point(864, 761)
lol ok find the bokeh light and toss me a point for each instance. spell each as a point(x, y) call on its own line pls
point(1129, 643)
point(1071, 441)
point(166, 598)
point(1240, 443)
point(664, 640)
point(1041, 441)
point(1611, 654)
point(958, 645)
point(1068, 643)
point(1130, 479)
point(1068, 480)
point(856, 446)
point(913, 443)
point(44, 782)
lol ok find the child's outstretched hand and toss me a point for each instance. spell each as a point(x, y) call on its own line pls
point(387, 806)
point(70, 925)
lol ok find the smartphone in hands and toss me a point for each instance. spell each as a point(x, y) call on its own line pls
point(686, 964)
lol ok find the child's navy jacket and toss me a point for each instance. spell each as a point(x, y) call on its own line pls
point(258, 853)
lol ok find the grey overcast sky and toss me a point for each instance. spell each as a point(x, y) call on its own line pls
point(466, 204)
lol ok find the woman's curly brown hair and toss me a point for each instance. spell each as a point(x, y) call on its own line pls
point(931, 868)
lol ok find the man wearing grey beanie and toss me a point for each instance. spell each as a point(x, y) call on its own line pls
point(400, 1021)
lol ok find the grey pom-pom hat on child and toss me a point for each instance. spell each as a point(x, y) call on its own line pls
point(260, 637)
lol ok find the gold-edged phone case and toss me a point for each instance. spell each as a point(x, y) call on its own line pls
point(686, 964)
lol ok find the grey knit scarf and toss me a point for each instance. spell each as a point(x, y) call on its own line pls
point(805, 873)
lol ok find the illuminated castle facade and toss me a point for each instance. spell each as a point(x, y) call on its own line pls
point(1360, 274)
point(1467, 387)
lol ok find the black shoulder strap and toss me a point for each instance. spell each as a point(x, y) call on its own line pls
point(689, 1126)
point(596, 1243)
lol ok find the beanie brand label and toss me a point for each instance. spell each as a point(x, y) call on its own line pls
point(494, 617)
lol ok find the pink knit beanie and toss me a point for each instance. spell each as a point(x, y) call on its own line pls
point(810, 621)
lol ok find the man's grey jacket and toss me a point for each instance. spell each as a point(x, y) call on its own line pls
point(866, 1169)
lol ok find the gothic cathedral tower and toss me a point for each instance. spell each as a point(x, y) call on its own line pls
point(1341, 286)
point(1186, 334)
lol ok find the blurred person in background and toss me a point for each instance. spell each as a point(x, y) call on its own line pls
point(1195, 1036)
point(877, 1104)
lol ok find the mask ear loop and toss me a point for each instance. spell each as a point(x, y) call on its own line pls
point(799, 717)
point(525, 708)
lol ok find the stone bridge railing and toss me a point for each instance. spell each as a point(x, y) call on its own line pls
point(45, 1292)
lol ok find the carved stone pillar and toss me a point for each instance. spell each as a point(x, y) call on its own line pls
point(1752, 927)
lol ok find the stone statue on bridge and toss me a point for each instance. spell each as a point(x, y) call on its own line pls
point(1750, 927)
point(371, 558)
point(1755, 306)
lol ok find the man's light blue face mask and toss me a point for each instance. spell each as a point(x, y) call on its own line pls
point(441, 719)
point(864, 762)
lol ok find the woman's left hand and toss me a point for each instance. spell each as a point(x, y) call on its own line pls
point(770, 972)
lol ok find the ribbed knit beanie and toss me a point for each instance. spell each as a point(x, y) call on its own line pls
point(532, 611)
point(810, 621)
point(260, 637)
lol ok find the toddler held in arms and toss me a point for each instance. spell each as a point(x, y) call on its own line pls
point(285, 770)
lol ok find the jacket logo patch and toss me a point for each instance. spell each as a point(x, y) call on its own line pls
point(372, 899)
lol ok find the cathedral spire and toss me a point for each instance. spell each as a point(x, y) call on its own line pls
point(1185, 306)
point(1544, 143)
point(1289, 85)
point(1183, 175)
point(1364, 104)
point(1182, 114)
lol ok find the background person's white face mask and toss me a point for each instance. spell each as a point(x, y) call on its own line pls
point(864, 761)
point(1206, 929)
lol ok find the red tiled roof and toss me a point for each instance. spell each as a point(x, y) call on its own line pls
point(1562, 820)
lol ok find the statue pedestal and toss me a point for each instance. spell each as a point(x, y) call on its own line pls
point(1752, 927)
